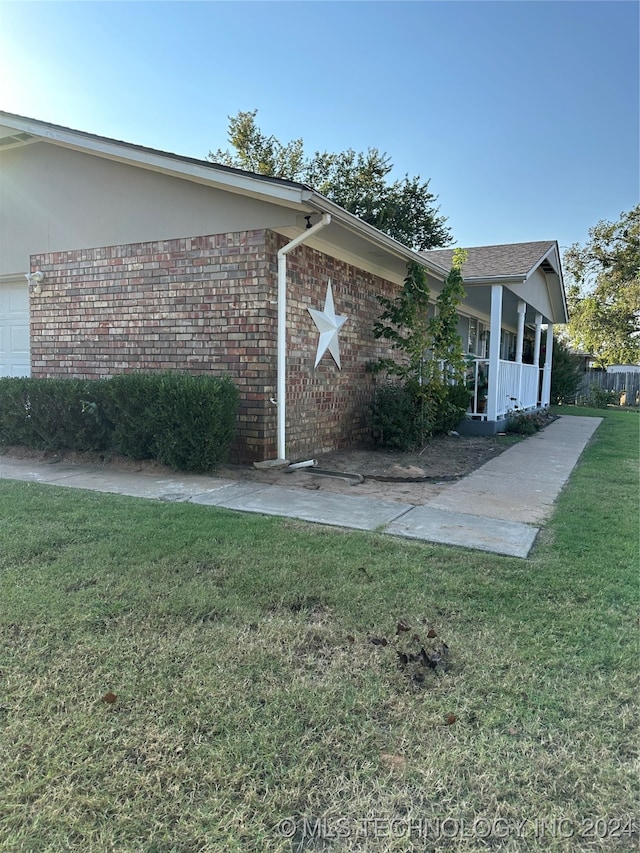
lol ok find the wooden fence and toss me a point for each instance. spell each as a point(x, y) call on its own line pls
point(626, 385)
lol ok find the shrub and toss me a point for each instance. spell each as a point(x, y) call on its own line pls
point(53, 414)
point(600, 397)
point(521, 424)
point(566, 376)
point(528, 423)
point(406, 416)
point(132, 404)
point(453, 408)
point(184, 421)
point(394, 418)
point(195, 421)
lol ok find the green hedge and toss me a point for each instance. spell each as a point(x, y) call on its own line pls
point(186, 422)
point(51, 414)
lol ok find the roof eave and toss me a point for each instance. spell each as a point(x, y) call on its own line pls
point(496, 279)
point(323, 205)
point(258, 186)
point(232, 179)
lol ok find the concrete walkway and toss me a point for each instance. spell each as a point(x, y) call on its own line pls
point(497, 508)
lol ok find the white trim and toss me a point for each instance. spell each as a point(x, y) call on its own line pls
point(281, 379)
point(537, 340)
point(277, 191)
point(494, 351)
point(546, 371)
point(552, 250)
point(522, 310)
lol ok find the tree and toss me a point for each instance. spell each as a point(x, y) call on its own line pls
point(430, 362)
point(566, 377)
point(358, 181)
point(430, 347)
point(604, 298)
point(406, 325)
point(258, 153)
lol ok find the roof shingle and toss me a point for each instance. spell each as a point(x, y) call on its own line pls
point(512, 259)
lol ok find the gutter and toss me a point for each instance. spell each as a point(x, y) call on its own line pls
point(275, 190)
point(497, 279)
point(368, 232)
point(281, 386)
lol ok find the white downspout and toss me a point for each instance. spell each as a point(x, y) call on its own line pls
point(281, 384)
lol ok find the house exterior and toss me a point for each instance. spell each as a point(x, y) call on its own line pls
point(520, 286)
point(116, 258)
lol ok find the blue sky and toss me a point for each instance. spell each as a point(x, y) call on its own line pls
point(523, 115)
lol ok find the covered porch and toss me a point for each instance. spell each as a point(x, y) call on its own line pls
point(514, 296)
point(501, 384)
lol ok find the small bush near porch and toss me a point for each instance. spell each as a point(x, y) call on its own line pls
point(429, 395)
point(404, 417)
point(181, 678)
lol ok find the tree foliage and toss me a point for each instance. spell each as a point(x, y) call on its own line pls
point(430, 360)
point(255, 152)
point(447, 345)
point(566, 376)
point(358, 181)
point(405, 323)
point(604, 296)
point(430, 348)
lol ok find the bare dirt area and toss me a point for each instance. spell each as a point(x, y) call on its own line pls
point(411, 477)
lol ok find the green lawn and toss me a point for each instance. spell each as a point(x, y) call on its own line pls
point(248, 691)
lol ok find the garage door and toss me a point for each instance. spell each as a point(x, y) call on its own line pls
point(14, 328)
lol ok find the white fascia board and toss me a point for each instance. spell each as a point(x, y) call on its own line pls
point(554, 263)
point(159, 162)
point(496, 279)
point(371, 234)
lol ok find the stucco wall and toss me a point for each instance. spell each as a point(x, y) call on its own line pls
point(53, 199)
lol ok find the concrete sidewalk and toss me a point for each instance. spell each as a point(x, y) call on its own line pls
point(494, 509)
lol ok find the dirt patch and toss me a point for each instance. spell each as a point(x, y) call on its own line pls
point(414, 477)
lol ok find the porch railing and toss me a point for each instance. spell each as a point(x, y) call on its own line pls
point(518, 387)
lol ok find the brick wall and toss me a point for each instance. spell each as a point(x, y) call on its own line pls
point(328, 408)
point(208, 304)
point(202, 304)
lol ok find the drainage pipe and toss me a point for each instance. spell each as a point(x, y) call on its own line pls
point(310, 463)
point(281, 386)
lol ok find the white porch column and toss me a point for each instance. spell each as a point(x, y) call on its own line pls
point(522, 310)
point(494, 351)
point(536, 351)
point(546, 373)
point(536, 342)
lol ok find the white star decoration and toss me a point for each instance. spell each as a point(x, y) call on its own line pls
point(329, 324)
